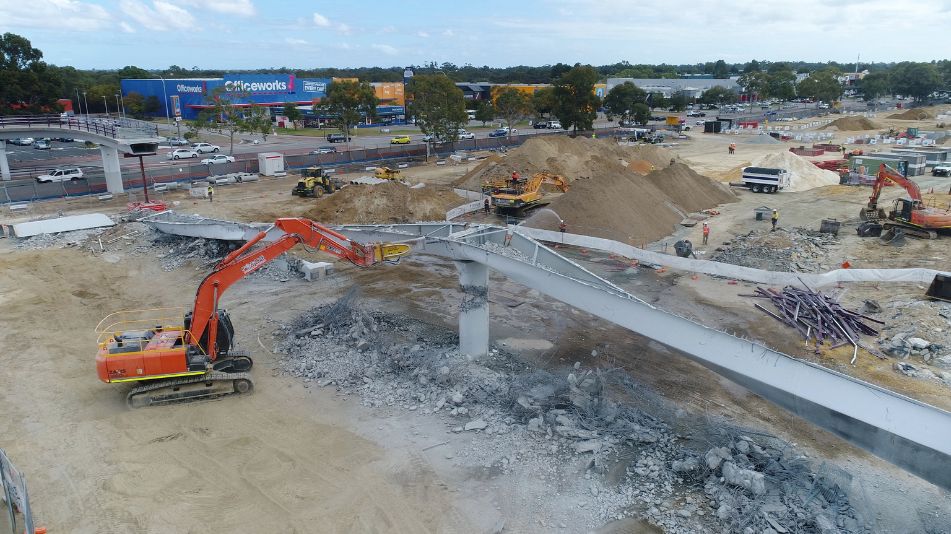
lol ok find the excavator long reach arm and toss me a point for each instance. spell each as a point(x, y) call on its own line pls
point(194, 359)
point(886, 174)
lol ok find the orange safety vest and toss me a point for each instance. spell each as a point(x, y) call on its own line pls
point(706, 230)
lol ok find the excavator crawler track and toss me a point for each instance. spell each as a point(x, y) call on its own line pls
point(180, 390)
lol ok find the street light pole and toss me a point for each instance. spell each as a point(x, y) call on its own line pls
point(106, 104)
point(168, 119)
point(118, 109)
point(87, 105)
point(79, 104)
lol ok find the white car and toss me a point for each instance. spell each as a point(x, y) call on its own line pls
point(217, 158)
point(466, 134)
point(204, 148)
point(65, 174)
point(181, 153)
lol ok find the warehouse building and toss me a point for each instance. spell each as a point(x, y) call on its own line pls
point(693, 87)
point(186, 98)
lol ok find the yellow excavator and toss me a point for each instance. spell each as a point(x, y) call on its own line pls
point(517, 196)
point(314, 183)
point(386, 173)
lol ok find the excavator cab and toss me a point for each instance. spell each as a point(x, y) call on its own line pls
point(902, 210)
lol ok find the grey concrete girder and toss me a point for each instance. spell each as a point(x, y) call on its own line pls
point(906, 432)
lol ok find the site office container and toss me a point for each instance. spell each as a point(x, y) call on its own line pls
point(916, 162)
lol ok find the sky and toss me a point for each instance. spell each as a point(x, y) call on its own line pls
point(249, 34)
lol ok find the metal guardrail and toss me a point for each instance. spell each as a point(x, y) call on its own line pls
point(15, 495)
point(105, 126)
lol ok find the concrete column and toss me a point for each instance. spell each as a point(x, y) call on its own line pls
point(474, 309)
point(112, 169)
point(4, 164)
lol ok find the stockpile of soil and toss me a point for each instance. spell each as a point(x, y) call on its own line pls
point(851, 124)
point(916, 114)
point(631, 208)
point(384, 203)
point(581, 157)
point(805, 175)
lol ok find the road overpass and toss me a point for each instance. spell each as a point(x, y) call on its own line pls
point(113, 135)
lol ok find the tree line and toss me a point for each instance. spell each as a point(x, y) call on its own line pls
point(30, 85)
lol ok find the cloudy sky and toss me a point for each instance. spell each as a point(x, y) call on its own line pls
point(247, 34)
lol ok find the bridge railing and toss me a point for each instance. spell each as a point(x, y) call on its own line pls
point(102, 126)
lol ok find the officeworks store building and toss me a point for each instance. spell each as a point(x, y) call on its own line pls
point(185, 98)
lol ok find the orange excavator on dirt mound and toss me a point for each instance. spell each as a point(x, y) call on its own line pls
point(175, 360)
point(909, 214)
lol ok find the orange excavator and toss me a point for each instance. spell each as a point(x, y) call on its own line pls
point(909, 214)
point(517, 197)
point(176, 360)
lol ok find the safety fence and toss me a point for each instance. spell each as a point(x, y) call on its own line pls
point(105, 126)
point(15, 496)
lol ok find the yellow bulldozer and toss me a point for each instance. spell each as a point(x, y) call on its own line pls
point(518, 196)
point(386, 173)
point(314, 182)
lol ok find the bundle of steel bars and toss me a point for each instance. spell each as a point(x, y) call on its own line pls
point(817, 316)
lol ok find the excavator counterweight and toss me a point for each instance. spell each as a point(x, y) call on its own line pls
point(179, 357)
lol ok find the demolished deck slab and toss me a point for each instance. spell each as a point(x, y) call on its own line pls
point(62, 224)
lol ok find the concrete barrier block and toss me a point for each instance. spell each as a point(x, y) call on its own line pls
point(315, 270)
point(402, 165)
point(19, 207)
point(104, 197)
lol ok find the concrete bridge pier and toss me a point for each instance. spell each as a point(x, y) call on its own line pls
point(474, 309)
point(4, 164)
point(111, 168)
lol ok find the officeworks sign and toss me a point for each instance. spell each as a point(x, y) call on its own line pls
point(257, 84)
point(190, 88)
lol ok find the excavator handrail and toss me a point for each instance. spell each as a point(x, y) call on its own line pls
point(176, 318)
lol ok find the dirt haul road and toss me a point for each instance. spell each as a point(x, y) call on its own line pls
point(263, 463)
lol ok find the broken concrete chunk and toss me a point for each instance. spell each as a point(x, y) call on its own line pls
point(716, 455)
point(591, 445)
point(744, 478)
point(917, 343)
point(477, 424)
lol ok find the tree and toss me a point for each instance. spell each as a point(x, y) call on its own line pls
point(719, 95)
point(658, 100)
point(512, 105)
point(917, 80)
point(134, 104)
point(258, 119)
point(780, 82)
point(131, 72)
point(679, 101)
point(27, 84)
point(439, 106)
point(543, 101)
point(621, 99)
point(485, 111)
point(641, 114)
point(224, 115)
point(754, 83)
point(576, 104)
point(720, 70)
point(874, 85)
point(347, 102)
point(821, 85)
point(292, 113)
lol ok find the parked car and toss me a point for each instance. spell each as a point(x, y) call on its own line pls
point(401, 140)
point(465, 134)
point(177, 141)
point(64, 139)
point(696, 114)
point(204, 148)
point(553, 125)
point(41, 144)
point(324, 150)
point(502, 132)
point(941, 170)
point(21, 141)
point(217, 158)
point(182, 153)
point(540, 124)
point(65, 174)
point(338, 138)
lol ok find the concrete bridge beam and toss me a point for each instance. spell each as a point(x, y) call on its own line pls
point(474, 309)
point(111, 168)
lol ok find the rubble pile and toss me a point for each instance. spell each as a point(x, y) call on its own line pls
point(564, 428)
point(74, 238)
point(786, 250)
point(919, 334)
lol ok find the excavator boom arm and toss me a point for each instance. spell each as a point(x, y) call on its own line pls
point(886, 174)
point(249, 258)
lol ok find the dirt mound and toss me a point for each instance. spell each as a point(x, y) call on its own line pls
point(915, 114)
point(384, 203)
point(572, 158)
point(805, 175)
point(851, 124)
point(631, 208)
